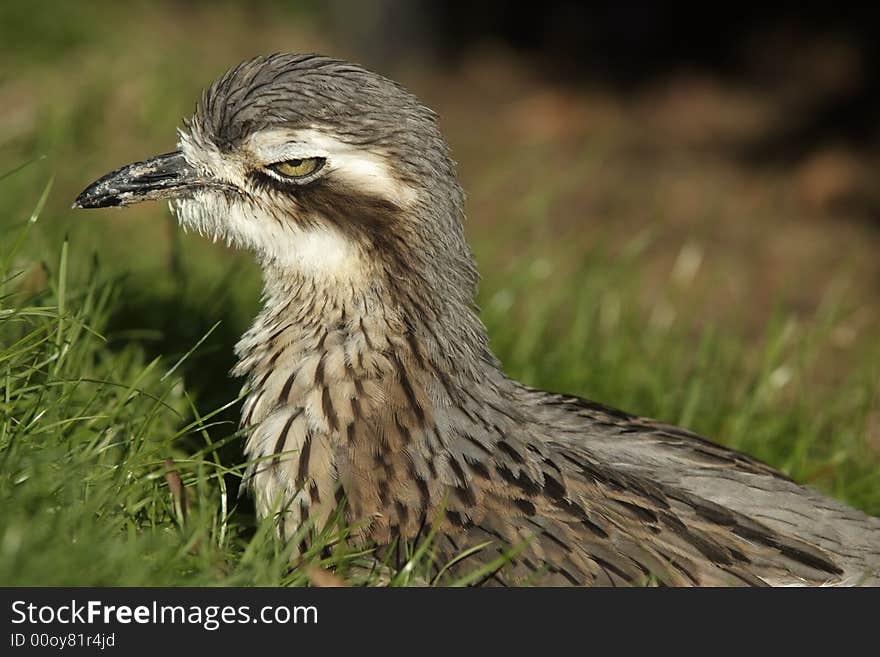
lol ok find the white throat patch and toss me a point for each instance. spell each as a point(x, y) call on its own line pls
point(318, 250)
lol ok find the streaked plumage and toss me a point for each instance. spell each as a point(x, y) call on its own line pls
point(370, 380)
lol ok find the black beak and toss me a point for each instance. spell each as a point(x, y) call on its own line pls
point(164, 176)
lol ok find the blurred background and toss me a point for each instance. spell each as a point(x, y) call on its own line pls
point(678, 172)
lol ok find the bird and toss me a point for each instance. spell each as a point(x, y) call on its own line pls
point(370, 386)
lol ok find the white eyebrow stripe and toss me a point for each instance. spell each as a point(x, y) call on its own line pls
point(366, 170)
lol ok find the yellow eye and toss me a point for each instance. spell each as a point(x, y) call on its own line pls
point(298, 168)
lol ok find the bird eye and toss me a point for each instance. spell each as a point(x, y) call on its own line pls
point(299, 168)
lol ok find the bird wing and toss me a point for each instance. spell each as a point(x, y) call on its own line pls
point(607, 498)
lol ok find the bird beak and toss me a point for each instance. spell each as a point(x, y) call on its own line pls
point(161, 177)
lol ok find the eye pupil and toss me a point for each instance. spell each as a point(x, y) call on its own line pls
point(294, 163)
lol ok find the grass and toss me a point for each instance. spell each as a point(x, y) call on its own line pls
point(110, 474)
point(119, 456)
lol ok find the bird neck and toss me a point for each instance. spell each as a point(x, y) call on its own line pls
point(373, 330)
point(321, 333)
point(370, 390)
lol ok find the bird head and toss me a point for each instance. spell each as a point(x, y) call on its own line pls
point(319, 166)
